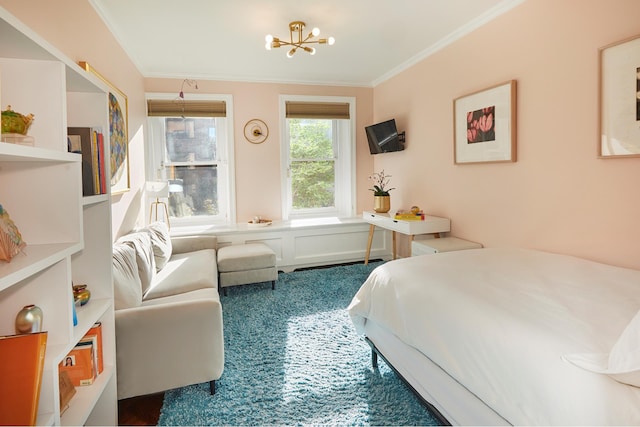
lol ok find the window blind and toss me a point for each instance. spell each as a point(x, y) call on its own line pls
point(179, 108)
point(316, 110)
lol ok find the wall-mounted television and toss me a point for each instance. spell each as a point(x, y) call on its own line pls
point(383, 137)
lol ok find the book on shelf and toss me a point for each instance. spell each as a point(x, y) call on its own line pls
point(21, 366)
point(80, 364)
point(87, 140)
point(102, 164)
point(95, 335)
point(67, 390)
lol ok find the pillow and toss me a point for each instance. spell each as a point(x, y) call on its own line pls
point(622, 363)
point(127, 288)
point(141, 242)
point(160, 242)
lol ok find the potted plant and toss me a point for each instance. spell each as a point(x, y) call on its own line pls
point(382, 199)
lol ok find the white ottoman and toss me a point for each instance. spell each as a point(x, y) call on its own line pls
point(246, 263)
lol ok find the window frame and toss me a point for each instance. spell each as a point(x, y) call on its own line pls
point(154, 154)
point(345, 161)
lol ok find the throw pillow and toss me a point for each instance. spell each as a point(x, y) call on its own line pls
point(127, 288)
point(160, 242)
point(623, 361)
point(141, 242)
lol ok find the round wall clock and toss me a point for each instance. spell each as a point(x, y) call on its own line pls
point(256, 131)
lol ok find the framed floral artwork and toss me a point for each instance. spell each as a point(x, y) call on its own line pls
point(619, 95)
point(118, 134)
point(484, 125)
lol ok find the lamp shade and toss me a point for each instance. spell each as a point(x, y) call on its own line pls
point(157, 189)
point(176, 186)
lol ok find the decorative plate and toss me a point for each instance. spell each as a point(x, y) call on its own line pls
point(261, 223)
point(117, 129)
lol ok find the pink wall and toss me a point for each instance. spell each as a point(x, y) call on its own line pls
point(258, 166)
point(558, 196)
point(89, 40)
point(74, 28)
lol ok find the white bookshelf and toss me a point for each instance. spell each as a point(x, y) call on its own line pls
point(68, 237)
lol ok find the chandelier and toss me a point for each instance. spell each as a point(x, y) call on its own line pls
point(296, 29)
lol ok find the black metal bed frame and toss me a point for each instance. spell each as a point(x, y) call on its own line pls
point(375, 353)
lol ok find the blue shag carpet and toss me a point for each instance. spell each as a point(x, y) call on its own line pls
point(292, 357)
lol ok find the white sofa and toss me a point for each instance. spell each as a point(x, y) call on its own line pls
point(168, 314)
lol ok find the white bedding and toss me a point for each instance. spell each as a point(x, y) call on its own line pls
point(499, 321)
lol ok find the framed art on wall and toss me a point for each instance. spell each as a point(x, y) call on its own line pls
point(484, 125)
point(118, 134)
point(619, 95)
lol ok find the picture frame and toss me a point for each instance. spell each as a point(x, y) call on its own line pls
point(484, 125)
point(619, 99)
point(118, 133)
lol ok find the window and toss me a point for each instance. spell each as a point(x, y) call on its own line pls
point(318, 151)
point(191, 148)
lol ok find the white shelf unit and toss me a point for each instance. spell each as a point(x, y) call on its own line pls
point(68, 237)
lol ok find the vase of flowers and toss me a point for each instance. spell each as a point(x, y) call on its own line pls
point(381, 197)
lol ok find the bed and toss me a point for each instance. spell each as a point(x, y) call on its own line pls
point(500, 336)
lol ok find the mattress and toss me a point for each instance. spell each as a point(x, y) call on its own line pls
point(500, 321)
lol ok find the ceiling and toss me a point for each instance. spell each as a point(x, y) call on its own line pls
point(225, 39)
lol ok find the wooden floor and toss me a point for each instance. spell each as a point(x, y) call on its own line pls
point(140, 411)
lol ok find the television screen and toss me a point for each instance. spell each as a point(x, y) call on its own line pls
point(383, 137)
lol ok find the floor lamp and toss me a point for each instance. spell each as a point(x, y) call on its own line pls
point(158, 190)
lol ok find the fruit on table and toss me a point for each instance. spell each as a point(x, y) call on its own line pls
point(13, 122)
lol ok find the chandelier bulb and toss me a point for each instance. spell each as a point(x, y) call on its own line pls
point(312, 51)
point(267, 46)
point(268, 38)
point(331, 41)
point(291, 52)
point(315, 31)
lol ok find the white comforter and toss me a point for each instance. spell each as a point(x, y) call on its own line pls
point(500, 320)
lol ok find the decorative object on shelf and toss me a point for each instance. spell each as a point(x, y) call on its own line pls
point(14, 122)
point(382, 198)
point(29, 320)
point(484, 127)
point(296, 28)
point(73, 310)
point(158, 190)
point(81, 294)
point(619, 86)
point(118, 133)
point(256, 131)
point(259, 222)
point(11, 242)
point(16, 138)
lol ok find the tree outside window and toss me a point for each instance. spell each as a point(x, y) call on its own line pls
point(312, 163)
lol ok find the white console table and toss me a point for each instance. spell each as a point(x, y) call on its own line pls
point(430, 225)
